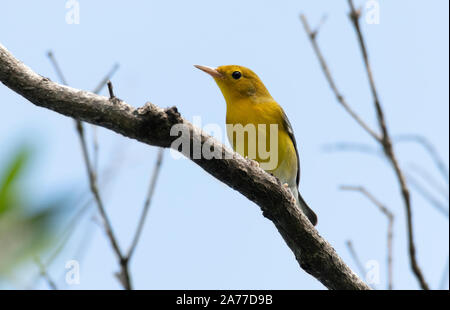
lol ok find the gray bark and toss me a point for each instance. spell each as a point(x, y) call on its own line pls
point(151, 125)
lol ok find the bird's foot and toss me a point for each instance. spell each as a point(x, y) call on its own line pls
point(293, 200)
point(254, 163)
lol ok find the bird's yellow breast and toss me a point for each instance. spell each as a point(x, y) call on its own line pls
point(278, 155)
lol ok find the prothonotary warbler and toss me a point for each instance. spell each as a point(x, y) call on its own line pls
point(266, 131)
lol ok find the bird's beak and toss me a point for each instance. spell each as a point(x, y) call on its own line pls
point(211, 71)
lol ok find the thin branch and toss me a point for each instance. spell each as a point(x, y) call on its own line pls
point(57, 68)
point(390, 230)
point(384, 140)
point(363, 148)
point(388, 150)
point(125, 277)
point(152, 125)
point(431, 181)
point(95, 148)
point(108, 174)
point(67, 233)
point(106, 79)
point(106, 223)
point(110, 90)
point(331, 82)
point(375, 201)
point(75, 219)
point(430, 148)
point(350, 147)
point(44, 274)
point(97, 90)
point(427, 195)
point(147, 202)
point(354, 16)
point(355, 257)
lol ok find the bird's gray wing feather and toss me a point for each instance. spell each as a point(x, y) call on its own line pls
point(288, 128)
point(303, 205)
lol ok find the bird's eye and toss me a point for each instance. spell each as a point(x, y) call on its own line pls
point(236, 75)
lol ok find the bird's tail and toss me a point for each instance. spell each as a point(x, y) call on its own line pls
point(304, 207)
point(307, 210)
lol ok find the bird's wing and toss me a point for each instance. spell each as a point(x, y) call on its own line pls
point(303, 205)
point(288, 127)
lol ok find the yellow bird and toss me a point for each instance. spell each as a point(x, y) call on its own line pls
point(250, 105)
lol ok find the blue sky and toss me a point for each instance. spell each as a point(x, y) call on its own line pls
point(200, 234)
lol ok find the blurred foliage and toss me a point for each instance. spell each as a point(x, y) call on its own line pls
point(27, 227)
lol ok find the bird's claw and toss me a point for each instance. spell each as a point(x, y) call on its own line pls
point(254, 163)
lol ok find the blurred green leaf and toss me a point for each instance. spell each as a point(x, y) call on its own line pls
point(23, 236)
point(27, 227)
point(9, 179)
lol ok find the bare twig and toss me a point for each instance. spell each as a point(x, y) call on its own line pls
point(357, 260)
point(363, 148)
point(108, 174)
point(331, 82)
point(388, 150)
point(431, 150)
point(95, 148)
point(390, 233)
point(431, 181)
point(355, 257)
point(152, 125)
point(106, 223)
point(69, 228)
point(147, 202)
point(44, 274)
point(106, 79)
point(110, 90)
point(367, 149)
point(427, 195)
point(57, 68)
point(125, 277)
point(76, 218)
point(97, 90)
point(351, 147)
point(384, 140)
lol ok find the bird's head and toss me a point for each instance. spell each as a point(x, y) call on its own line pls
point(237, 83)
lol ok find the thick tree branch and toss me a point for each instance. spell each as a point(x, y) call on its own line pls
point(151, 125)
